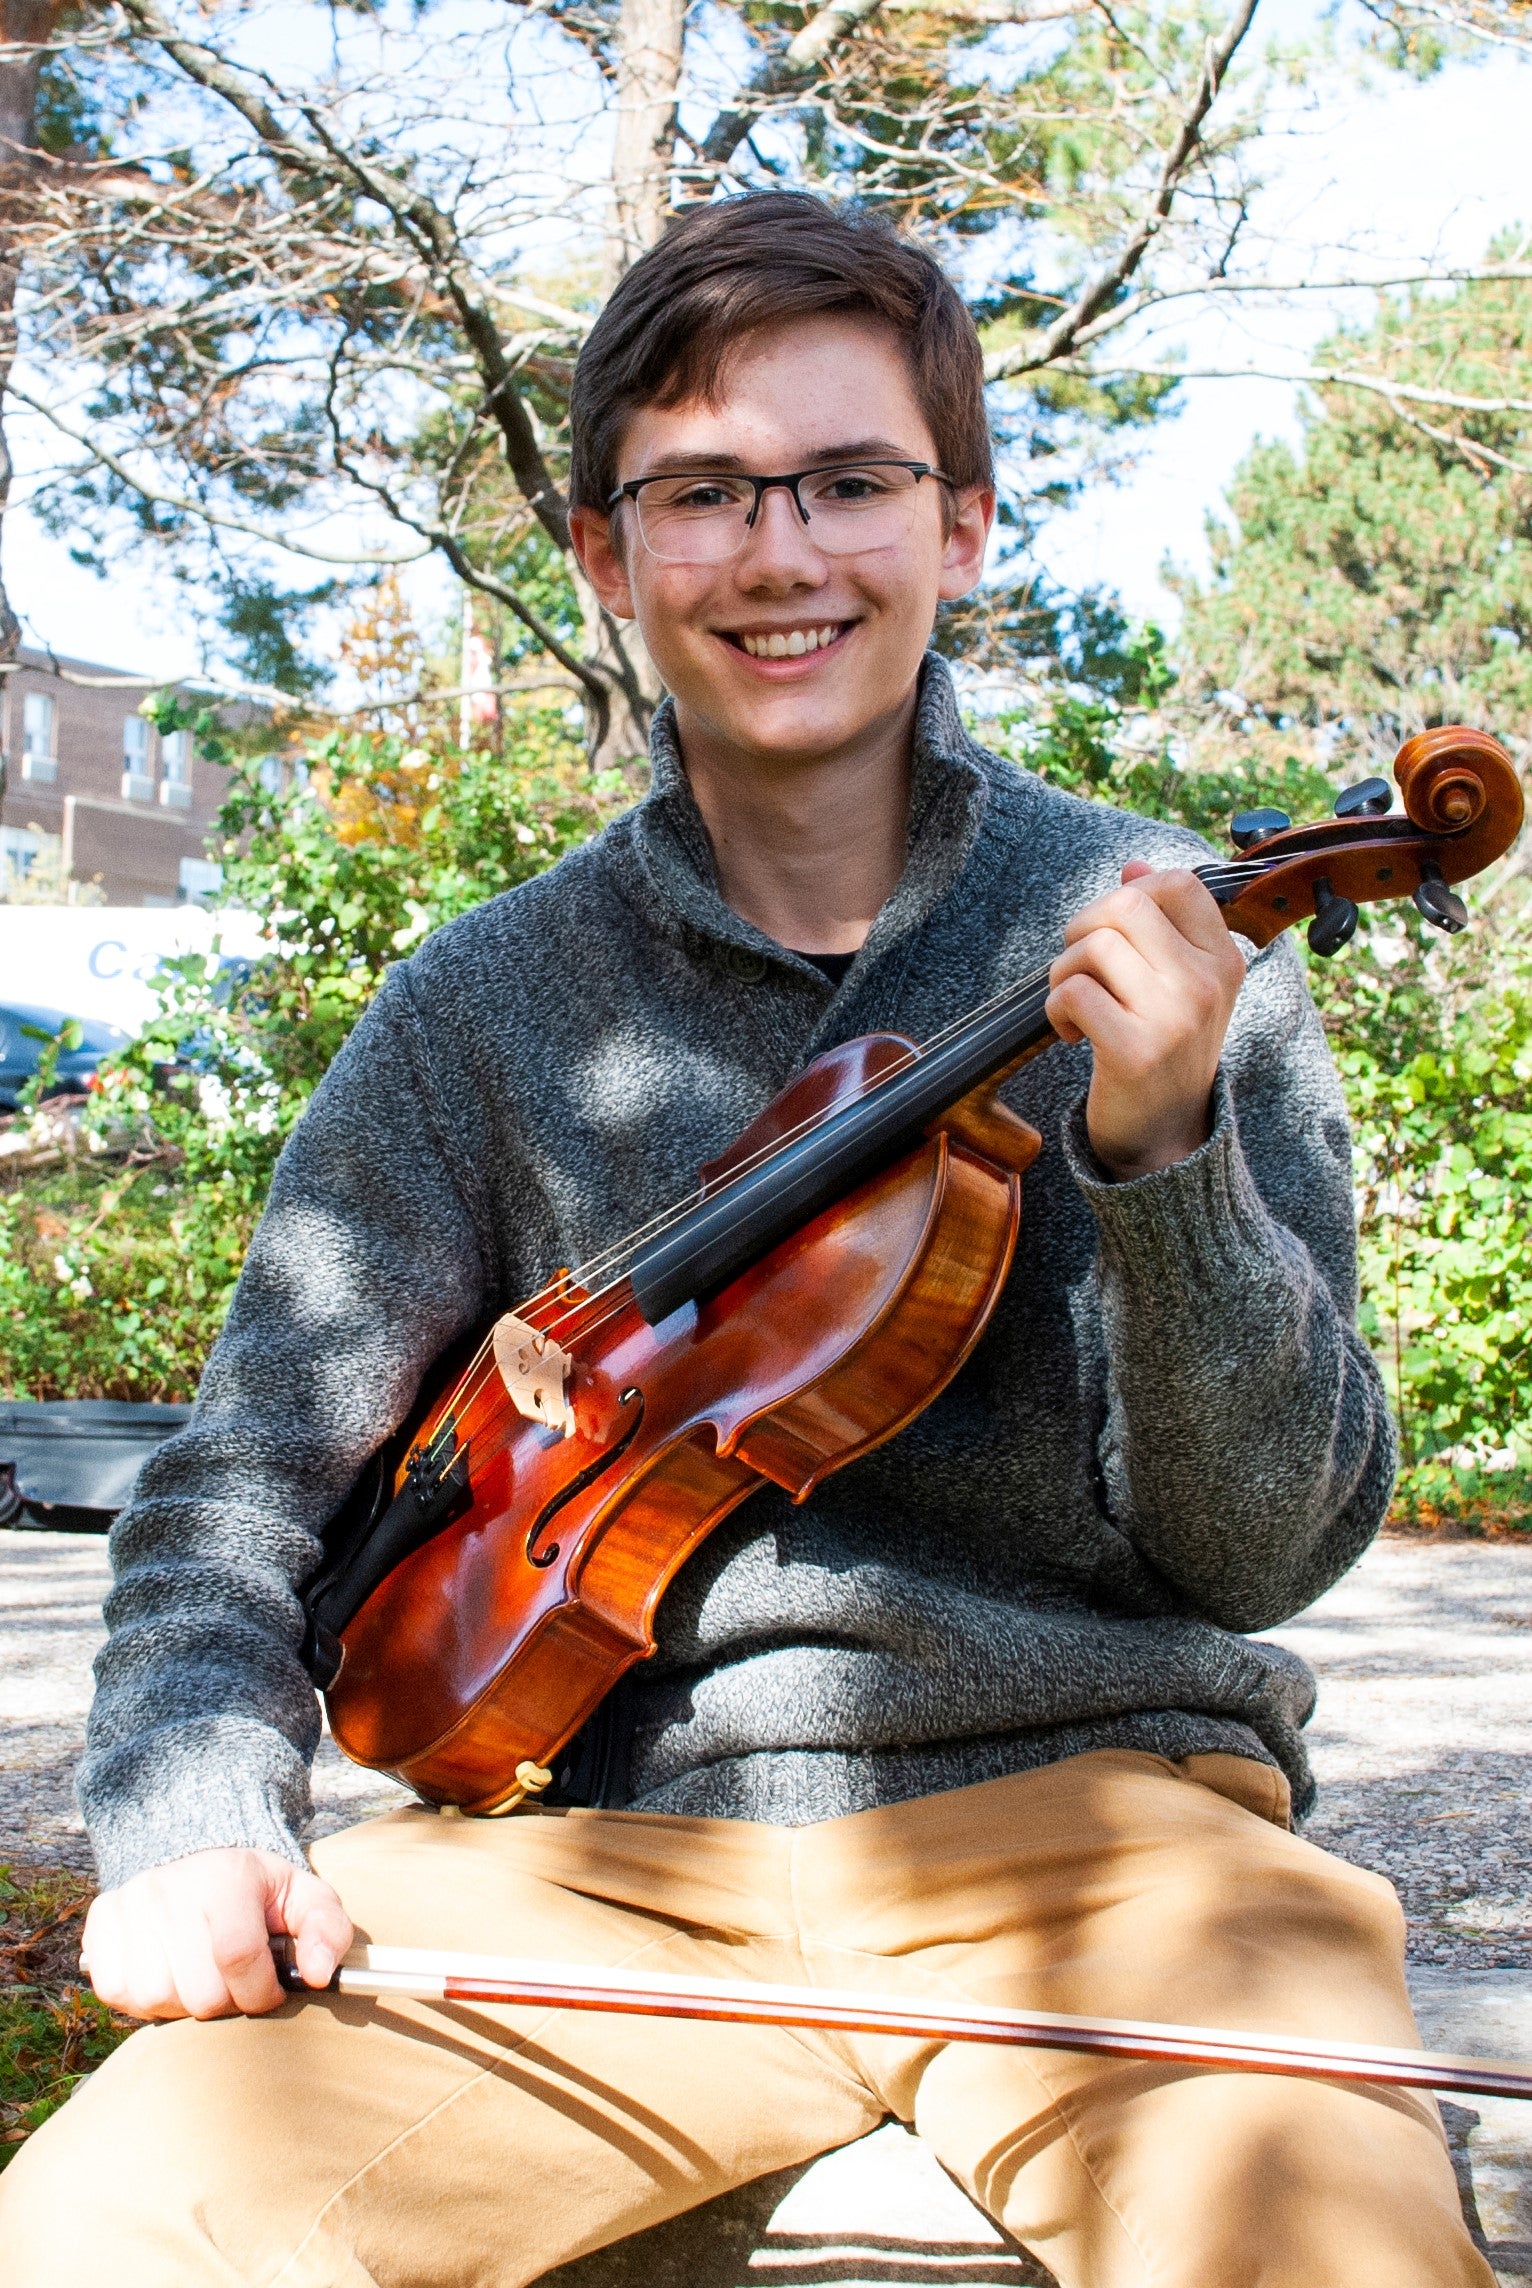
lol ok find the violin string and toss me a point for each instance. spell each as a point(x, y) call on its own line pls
point(579, 1310)
point(1233, 874)
point(610, 1264)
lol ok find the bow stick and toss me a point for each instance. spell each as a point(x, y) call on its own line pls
point(381, 1973)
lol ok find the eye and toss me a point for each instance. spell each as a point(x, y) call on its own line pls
point(852, 488)
point(696, 494)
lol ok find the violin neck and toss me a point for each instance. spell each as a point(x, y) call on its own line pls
point(735, 1227)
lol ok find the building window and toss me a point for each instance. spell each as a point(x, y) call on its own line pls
point(175, 770)
point(38, 759)
point(201, 879)
point(137, 772)
point(19, 849)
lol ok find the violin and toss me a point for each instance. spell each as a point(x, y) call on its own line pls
point(498, 1569)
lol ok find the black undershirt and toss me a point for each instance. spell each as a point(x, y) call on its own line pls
point(834, 965)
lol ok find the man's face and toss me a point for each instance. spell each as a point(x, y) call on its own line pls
point(824, 390)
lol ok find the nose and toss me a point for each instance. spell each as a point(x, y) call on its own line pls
point(780, 549)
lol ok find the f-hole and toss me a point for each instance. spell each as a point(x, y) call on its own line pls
point(587, 1477)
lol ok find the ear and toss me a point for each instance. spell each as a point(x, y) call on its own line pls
point(595, 544)
point(963, 557)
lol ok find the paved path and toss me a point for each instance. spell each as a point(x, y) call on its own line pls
point(1423, 1745)
point(1422, 1740)
point(51, 1587)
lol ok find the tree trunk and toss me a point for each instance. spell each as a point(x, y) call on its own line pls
point(24, 24)
point(617, 738)
point(649, 42)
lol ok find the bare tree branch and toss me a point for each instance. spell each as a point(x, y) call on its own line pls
point(418, 216)
point(1056, 341)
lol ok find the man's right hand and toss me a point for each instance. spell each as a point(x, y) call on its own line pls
point(192, 1939)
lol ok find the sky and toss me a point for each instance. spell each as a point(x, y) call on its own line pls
point(1406, 168)
point(1395, 169)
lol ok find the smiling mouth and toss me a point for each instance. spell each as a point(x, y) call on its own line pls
point(786, 643)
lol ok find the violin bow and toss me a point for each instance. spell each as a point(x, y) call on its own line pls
point(395, 1973)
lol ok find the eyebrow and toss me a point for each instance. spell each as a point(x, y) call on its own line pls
point(823, 457)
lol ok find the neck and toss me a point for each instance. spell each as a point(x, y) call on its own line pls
point(808, 847)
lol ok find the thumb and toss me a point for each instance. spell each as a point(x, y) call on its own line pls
point(311, 1914)
point(1136, 869)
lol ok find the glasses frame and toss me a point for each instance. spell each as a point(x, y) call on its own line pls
point(761, 486)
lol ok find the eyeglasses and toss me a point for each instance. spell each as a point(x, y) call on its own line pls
point(706, 519)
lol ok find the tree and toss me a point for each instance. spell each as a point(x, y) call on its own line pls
point(1372, 583)
point(1379, 579)
point(288, 329)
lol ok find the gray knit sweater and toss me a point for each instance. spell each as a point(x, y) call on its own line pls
point(1169, 1434)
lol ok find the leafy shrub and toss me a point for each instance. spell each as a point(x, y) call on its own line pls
point(117, 1264)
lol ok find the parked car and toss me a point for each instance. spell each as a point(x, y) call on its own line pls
point(25, 1032)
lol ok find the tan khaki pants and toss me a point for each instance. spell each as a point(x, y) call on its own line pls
point(341, 2145)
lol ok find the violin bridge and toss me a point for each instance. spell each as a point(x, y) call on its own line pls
point(535, 1371)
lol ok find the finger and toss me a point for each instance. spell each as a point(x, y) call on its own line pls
point(239, 1944)
point(1115, 962)
point(1189, 905)
point(1135, 913)
point(1156, 909)
point(1116, 1036)
point(101, 1955)
point(148, 1988)
point(184, 1932)
point(318, 1924)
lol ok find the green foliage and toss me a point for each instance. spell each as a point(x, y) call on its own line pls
point(1380, 579)
point(1435, 1046)
point(53, 2031)
point(262, 621)
point(1376, 582)
point(117, 1263)
point(1104, 733)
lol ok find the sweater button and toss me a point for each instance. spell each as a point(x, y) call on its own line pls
point(743, 962)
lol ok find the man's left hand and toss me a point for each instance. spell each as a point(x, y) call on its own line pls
point(1149, 977)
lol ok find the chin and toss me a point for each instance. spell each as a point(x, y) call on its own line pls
point(796, 725)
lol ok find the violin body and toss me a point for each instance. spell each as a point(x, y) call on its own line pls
point(501, 1570)
point(488, 1646)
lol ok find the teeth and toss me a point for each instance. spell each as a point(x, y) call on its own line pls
point(790, 646)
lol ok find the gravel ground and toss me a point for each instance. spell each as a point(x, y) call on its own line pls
point(1422, 1740)
point(1423, 1746)
point(51, 1587)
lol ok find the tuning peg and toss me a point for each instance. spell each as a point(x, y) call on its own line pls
point(1439, 902)
point(1248, 827)
point(1334, 923)
point(1370, 799)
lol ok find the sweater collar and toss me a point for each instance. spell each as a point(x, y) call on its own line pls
point(949, 789)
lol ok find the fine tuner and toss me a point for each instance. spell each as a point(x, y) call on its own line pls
point(1335, 917)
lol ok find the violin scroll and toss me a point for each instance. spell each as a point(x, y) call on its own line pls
point(1462, 811)
point(1454, 780)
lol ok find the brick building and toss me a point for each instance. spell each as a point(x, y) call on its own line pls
point(95, 790)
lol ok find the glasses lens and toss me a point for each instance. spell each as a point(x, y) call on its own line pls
point(695, 520)
point(863, 508)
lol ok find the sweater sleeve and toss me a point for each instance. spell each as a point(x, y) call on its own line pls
point(369, 1260)
point(1248, 1451)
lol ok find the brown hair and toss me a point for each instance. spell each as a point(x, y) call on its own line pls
point(727, 270)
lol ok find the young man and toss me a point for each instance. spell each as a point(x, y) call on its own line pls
point(974, 1721)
